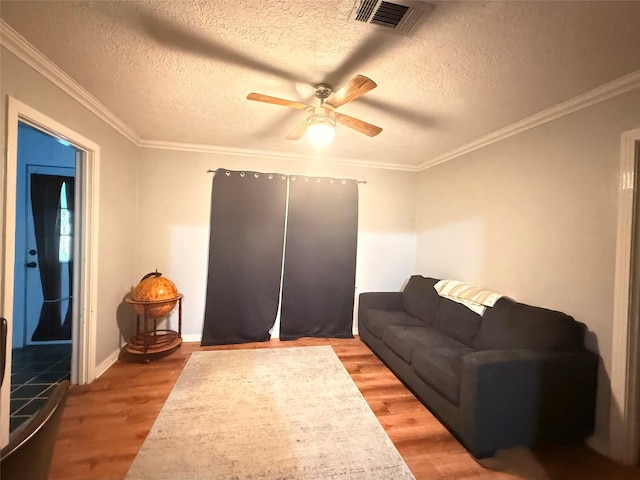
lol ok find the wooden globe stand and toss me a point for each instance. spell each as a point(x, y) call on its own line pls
point(150, 342)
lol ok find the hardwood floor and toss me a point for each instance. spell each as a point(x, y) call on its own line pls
point(106, 422)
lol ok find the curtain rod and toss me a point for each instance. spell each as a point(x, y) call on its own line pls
point(359, 181)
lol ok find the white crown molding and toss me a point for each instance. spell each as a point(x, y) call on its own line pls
point(16, 44)
point(267, 154)
point(606, 91)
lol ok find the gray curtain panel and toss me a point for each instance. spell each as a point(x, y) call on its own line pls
point(245, 256)
point(320, 258)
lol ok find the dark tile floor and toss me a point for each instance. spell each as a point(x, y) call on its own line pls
point(34, 370)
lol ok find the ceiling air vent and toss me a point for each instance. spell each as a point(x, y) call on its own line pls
point(401, 16)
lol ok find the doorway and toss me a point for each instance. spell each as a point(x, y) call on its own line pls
point(85, 245)
point(624, 426)
point(43, 274)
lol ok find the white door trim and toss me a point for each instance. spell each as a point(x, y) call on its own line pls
point(85, 268)
point(624, 437)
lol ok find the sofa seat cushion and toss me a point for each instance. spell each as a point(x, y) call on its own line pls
point(420, 299)
point(403, 340)
point(457, 321)
point(513, 325)
point(377, 321)
point(441, 369)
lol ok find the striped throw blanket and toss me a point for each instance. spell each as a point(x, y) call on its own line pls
point(473, 298)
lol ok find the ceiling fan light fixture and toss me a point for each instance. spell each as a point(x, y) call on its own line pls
point(320, 121)
point(321, 134)
point(321, 127)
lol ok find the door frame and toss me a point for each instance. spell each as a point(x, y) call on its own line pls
point(624, 418)
point(85, 297)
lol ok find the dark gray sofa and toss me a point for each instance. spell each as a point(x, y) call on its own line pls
point(518, 375)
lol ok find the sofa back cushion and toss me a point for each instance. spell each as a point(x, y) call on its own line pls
point(512, 325)
point(420, 299)
point(456, 320)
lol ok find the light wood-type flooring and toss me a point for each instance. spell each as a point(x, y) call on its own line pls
point(106, 422)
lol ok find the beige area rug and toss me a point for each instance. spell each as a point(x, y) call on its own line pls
point(285, 413)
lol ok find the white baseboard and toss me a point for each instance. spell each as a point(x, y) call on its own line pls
point(192, 337)
point(106, 364)
point(599, 444)
point(113, 358)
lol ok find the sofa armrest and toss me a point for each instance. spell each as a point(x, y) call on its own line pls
point(522, 397)
point(390, 301)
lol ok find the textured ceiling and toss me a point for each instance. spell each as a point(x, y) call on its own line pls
point(180, 71)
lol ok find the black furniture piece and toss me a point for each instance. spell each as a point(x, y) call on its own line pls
point(518, 375)
point(30, 449)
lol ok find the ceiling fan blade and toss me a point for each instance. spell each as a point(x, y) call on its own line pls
point(414, 115)
point(259, 97)
point(358, 85)
point(173, 35)
point(359, 125)
point(372, 48)
point(298, 132)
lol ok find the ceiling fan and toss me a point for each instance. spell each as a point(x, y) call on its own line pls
point(320, 121)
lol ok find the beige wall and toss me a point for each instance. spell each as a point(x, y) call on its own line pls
point(174, 195)
point(117, 187)
point(534, 217)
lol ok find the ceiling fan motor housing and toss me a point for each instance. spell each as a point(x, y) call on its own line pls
point(322, 91)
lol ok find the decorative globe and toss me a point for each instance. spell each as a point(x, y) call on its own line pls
point(155, 288)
